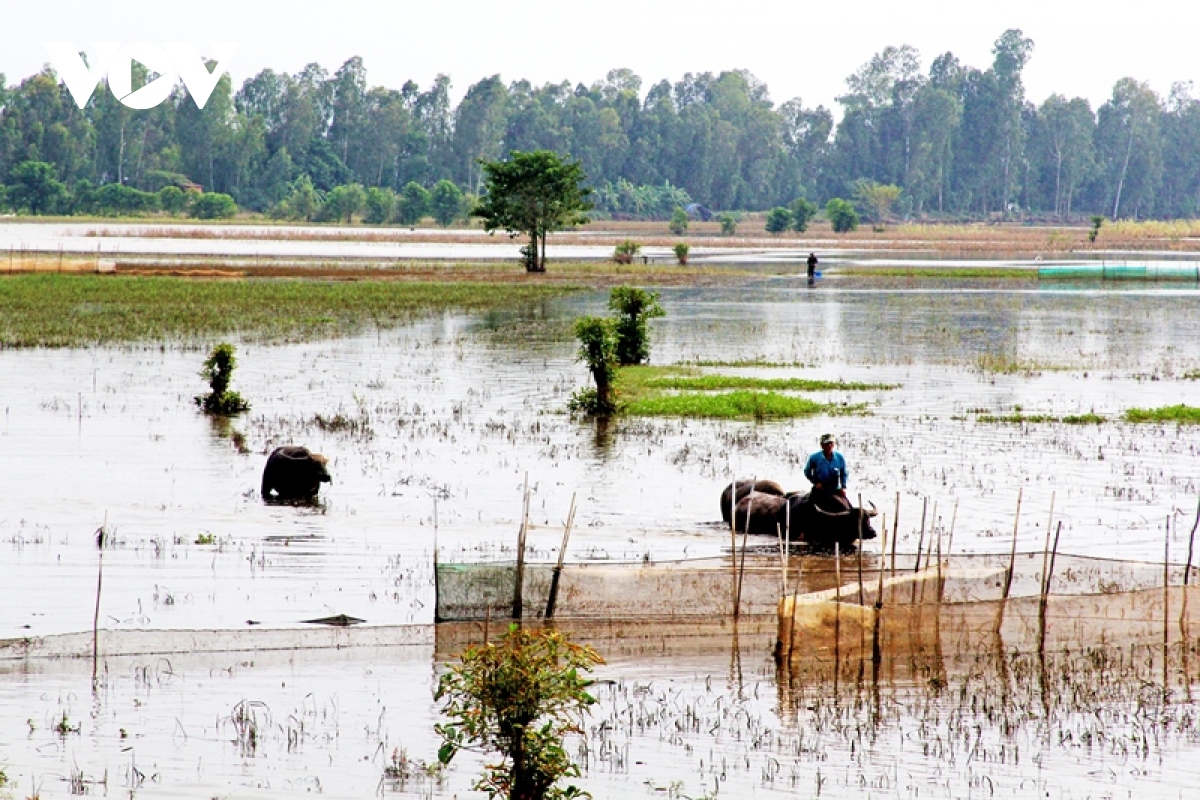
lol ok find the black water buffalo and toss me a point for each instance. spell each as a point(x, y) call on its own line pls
point(294, 473)
point(819, 526)
point(744, 487)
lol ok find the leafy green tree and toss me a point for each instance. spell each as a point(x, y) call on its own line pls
point(729, 223)
point(802, 213)
point(634, 308)
point(445, 202)
point(1129, 147)
point(114, 199)
point(533, 194)
point(412, 204)
point(303, 202)
point(33, 187)
point(343, 202)
point(213, 205)
point(83, 197)
point(842, 215)
point(1063, 149)
point(779, 219)
point(598, 350)
point(626, 251)
point(218, 371)
point(518, 697)
point(380, 205)
point(679, 222)
point(879, 198)
point(172, 199)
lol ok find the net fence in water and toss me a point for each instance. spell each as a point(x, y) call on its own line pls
point(715, 587)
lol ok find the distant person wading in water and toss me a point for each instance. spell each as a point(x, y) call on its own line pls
point(812, 267)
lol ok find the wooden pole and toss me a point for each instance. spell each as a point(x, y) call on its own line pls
point(1046, 547)
point(1012, 558)
point(1187, 570)
point(737, 600)
point(519, 584)
point(861, 599)
point(882, 550)
point(101, 536)
point(895, 530)
point(562, 552)
point(921, 538)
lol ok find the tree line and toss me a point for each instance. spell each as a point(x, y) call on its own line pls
point(957, 141)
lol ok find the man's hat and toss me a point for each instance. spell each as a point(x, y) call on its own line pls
point(828, 438)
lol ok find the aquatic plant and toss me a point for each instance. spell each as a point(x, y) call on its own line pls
point(518, 697)
point(634, 308)
point(598, 350)
point(681, 250)
point(1182, 414)
point(218, 371)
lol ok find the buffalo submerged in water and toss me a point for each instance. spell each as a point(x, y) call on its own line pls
point(818, 522)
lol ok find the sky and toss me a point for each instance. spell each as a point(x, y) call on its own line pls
point(798, 48)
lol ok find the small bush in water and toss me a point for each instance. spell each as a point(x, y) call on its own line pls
point(218, 371)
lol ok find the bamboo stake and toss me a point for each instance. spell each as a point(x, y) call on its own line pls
point(921, 538)
point(1046, 548)
point(950, 538)
point(1012, 558)
point(861, 599)
point(101, 535)
point(795, 600)
point(1187, 570)
point(882, 550)
point(737, 600)
point(895, 529)
point(562, 552)
point(519, 587)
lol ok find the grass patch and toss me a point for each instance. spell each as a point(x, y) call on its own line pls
point(52, 310)
point(733, 405)
point(1022, 419)
point(653, 391)
point(1187, 415)
point(1000, 364)
point(745, 362)
point(709, 383)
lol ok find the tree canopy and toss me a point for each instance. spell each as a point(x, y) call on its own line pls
point(533, 194)
point(958, 140)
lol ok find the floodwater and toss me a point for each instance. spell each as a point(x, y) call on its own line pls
point(431, 430)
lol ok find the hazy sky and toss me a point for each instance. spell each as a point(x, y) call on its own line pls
point(799, 48)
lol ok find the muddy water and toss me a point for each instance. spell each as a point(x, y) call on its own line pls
point(431, 430)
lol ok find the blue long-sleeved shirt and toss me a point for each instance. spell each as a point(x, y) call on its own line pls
point(829, 472)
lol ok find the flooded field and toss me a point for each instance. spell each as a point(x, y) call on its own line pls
point(431, 430)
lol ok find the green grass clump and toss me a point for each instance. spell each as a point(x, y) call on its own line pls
point(721, 382)
point(726, 405)
point(59, 310)
point(1182, 414)
point(1089, 418)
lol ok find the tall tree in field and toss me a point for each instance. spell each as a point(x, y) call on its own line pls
point(479, 126)
point(533, 194)
point(1129, 147)
point(1181, 138)
point(1063, 150)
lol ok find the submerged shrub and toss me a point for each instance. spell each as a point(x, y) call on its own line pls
point(634, 308)
point(626, 252)
point(598, 349)
point(218, 371)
